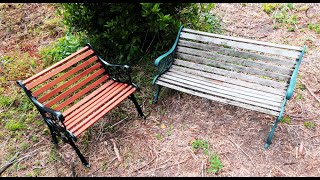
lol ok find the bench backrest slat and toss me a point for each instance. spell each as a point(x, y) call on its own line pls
point(69, 83)
point(232, 63)
point(244, 40)
point(74, 88)
point(236, 53)
point(64, 76)
point(242, 45)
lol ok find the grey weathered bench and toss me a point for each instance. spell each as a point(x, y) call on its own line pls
point(251, 74)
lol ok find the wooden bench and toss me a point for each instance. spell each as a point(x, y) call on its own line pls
point(76, 92)
point(251, 74)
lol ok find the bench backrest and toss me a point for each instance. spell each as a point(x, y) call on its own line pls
point(259, 63)
point(67, 81)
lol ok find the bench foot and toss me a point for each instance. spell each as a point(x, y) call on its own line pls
point(82, 158)
point(155, 100)
point(133, 99)
point(268, 142)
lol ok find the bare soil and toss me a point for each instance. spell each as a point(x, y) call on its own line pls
point(161, 144)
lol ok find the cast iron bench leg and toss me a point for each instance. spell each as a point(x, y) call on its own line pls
point(82, 158)
point(133, 99)
point(155, 100)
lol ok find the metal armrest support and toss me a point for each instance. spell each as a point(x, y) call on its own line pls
point(293, 79)
point(164, 62)
point(118, 72)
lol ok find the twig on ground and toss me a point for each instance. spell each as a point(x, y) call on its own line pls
point(116, 150)
point(241, 150)
point(143, 165)
point(90, 174)
point(310, 90)
point(8, 164)
point(167, 166)
point(73, 173)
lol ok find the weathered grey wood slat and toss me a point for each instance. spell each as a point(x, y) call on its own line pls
point(244, 40)
point(232, 74)
point(226, 101)
point(240, 54)
point(229, 80)
point(226, 87)
point(259, 48)
point(192, 84)
point(229, 59)
point(231, 67)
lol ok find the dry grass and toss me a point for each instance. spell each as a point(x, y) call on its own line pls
point(161, 145)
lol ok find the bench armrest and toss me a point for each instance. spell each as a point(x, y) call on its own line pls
point(164, 62)
point(293, 79)
point(42, 109)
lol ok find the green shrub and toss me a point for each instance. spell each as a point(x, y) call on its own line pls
point(131, 32)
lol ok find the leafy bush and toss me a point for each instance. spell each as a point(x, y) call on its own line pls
point(130, 32)
point(62, 48)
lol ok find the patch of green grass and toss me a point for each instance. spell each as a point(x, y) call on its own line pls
point(13, 125)
point(309, 125)
point(215, 164)
point(201, 144)
point(24, 145)
point(159, 137)
point(34, 139)
point(286, 120)
point(170, 130)
point(299, 96)
point(315, 27)
point(269, 7)
point(300, 86)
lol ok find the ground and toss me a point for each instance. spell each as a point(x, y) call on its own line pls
point(161, 145)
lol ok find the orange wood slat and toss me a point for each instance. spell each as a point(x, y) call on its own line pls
point(74, 88)
point(84, 100)
point(96, 99)
point(95, 105)
point(101, 112)
point(59, 69)
point(64, 76)
point(54, 66)
point(82, 92)
point(69, 82)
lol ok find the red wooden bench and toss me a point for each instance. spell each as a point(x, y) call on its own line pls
point(76, 92)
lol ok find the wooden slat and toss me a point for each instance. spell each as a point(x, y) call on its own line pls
point(228, 80)
point(243, 105)
point(55, 65)
point(89, 97)
point(106, 108)
point(225, 86)
point(69, 82)
point(81, 93)
point(229, 59)
point(103, 95)
point(59, 69)
point(231, 67)
point(244, 40)
point(93, 108)
point(241, 54)
point(259, 48)
point(232, 74)
point(74, 88)
point(64, 76)
point(216, 92)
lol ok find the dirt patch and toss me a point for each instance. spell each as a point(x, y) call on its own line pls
point(161, 144)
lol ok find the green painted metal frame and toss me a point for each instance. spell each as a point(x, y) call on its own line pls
point(289, 94)
point(168, 58)
point(163, 64)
